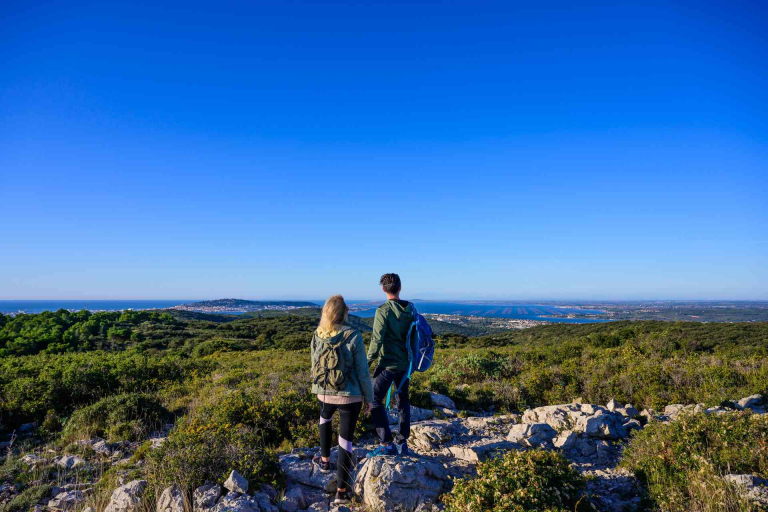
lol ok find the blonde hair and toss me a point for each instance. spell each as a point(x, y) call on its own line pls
point(334, 314)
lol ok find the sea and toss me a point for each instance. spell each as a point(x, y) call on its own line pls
point(497, 310)
point(38, 306)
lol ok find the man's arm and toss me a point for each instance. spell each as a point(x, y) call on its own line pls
point(378, 332)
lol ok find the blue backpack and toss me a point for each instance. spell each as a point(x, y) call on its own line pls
point(421, 349)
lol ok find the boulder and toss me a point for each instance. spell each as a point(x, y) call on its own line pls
point(171, 500)
point(300, 470)
point(672, 410)
point(753, 487)
point(431, 435)
point(66, 500)
point(536, 434)
point(750, 402)
point(630, 410)
point(417, 414)
point(400, 484)
point(482, 449)
point(236, 502)
point(236, 483)
point(71, 462)
point(101, 447)
point(602, 426)
point(439, 400)
point(205, 496)
point(294, 499)
point(32, 459)
point(126, 497)
point(612, 405)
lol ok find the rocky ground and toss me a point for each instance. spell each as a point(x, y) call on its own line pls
point(591, 436)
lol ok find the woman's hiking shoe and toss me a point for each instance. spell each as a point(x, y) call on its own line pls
point(322, 465)
point(389, 449)
point(342, 498)
point(402, 448)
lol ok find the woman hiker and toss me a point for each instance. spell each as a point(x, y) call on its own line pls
point(342, 382)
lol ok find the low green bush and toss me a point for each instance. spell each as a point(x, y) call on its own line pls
point(519, 481)
point(681, 462)
point(130, 416)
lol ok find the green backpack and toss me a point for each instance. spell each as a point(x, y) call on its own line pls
point(328, 370)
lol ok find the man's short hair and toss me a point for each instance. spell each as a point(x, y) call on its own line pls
point(391, 283)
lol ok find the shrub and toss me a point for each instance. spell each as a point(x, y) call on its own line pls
point(681, 462)
point(130, 416)
point(518, 481)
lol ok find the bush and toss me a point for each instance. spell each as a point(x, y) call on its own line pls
point(518, 481)
point(130, 416)
point(681, 462)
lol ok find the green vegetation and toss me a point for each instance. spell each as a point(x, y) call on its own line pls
point(682, 462)
point(237, 389)
point(519, 481)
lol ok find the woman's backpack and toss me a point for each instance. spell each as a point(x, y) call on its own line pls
point(328, 368)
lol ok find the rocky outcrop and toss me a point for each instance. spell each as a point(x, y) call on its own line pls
point(236, 483)
point(66, 500)
point(751, 486)
point(126, 497)
point(206, 496)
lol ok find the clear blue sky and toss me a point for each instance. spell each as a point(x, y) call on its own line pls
point(297, 149)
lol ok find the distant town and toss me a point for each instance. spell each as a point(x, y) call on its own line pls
point(230, 306)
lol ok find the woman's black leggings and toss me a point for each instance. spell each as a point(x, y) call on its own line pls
point(348, 414)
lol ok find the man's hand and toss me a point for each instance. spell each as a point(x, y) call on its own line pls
point(368, 407)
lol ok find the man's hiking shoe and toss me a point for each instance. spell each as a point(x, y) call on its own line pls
point(390, 449)
point(324, 466)
point(402, 448)
point(342, 498)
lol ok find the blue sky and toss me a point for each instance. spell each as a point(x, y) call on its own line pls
point(574, 150)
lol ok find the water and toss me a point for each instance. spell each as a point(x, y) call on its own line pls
point(501, 310)
point(38, 306)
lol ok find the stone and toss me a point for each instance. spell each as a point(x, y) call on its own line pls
point(101, 447)
point(417, 414)
point(71, 462)
point(673, 410)
point(631, 411)
point(750, 402)
point(431, 435)
point(26, 428)
point(612, 405)
point(439, 400)
point(604, 426)
point(171, 500)
point(66, 500)
point(483, 449)
point(205, 496)
point(536, 434)
point(126, 497)
point(294, 499)
point(633, 425)
point(300, 470)
point(400, 484)
point(752, 486)
point(269, 491)
point(236, 483)
point(32, 459)
point(236, 502)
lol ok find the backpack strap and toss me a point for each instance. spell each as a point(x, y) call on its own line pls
point(407, 376)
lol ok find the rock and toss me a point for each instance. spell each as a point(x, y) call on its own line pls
point(533, 435)
point(417, 414)
point(27, 428)
point(603, 426)
point(753, 487)
point(205, 496)
point(439, 400)
point(448, 413)
point(71, 462)
point(672, 410)
point(633, 425)
point(483, 449)
point(101, 447)
point(32, 459)
point(66, 500)
point(298, 469)
point(171, 500)
point(750, 402)
point(88, 509)
point(400, 483)
point(236, 483)
point(294, 500)
point(269, 491)
point(126, 497)
point(629, 410)
point(264, 502)
point(612, 405)
point(236, 502)
point(431, 435)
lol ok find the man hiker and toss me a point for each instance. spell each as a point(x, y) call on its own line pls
point(390, 329)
